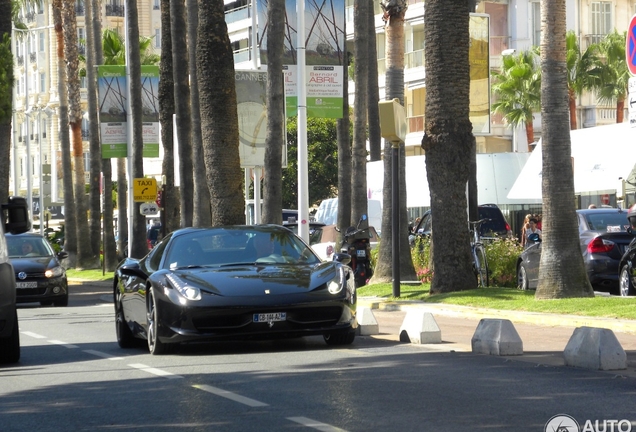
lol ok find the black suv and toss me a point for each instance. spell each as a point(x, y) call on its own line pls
point(496, 227)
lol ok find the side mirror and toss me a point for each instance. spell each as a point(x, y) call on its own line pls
point(15, 215)
point(342, 258)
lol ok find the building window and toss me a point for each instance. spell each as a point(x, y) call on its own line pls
point(157, 38)
point(536, 23)
point(156, 6)
point(601, 20)
point(41, 35)
point(42, 82)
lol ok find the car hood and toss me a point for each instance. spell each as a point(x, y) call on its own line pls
point(33, 264)
point(249, 280)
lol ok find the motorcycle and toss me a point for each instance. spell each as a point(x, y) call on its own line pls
point(357, 244)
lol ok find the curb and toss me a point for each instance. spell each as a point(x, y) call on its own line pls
point(538, 318)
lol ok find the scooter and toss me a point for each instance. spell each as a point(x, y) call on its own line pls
point(357, 244)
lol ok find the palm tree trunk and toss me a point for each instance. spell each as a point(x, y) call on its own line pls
point(572, 104)
point(70, 218)
point(360, 107)
point(448, 142)
point(170, 209)
point(6, 70)
point(182, 103)
point(219, 117)
point(561, 269)
point(201, 195)
point(272, 191)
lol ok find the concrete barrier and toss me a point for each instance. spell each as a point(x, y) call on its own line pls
point(367, 324)
point(420, 327)
point(595, 348)
point(496, 337)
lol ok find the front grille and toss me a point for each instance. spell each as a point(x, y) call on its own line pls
point(30, 276)
point(24, 292)
point(297, 319)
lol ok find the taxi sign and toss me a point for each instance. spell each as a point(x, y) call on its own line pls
point(144, 190)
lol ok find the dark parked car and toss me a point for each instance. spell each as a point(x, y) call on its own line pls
point(603, 237)
point(202, 284)
point(39, 275)
point(496, 227)
point(627, 265)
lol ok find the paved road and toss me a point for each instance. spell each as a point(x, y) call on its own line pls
point(73, 376)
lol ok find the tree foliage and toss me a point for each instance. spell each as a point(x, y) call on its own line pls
point(322, 149)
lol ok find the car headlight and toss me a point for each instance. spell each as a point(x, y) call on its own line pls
point(337, 283)
point(54, 272)
point(182, 287)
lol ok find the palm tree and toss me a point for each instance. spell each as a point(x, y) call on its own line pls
point(582, 68)
point(70, 217)
point(375, 137)
point(360, 107)
point(394, 12)
point(219, 117)
point(201, 195)
point(517, 88)
point(448, 141)
point(6, 97)
point(614, 76)
point(86, 257)
point(273, 178)
point(139, 246)
point(182, 103)
point(94, 138)
point(170, 212)
point(561, 270)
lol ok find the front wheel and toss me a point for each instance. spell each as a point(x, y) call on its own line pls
point(626, 287)
point(155, 346)
point(481, 267)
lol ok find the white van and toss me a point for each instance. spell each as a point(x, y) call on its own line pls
point(327, 213)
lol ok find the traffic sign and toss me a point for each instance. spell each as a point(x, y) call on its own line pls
point(144, 190)
point(630, 46)
point(149, 209)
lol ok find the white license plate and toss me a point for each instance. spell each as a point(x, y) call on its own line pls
point(270, 317)
point(26, 284)
point(361, 252)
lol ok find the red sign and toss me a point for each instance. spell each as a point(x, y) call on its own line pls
point(630, 46)
point(159, 199)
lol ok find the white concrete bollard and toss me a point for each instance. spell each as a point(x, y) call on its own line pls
point(420, 327)
point(595, 348)
point(496, 337)
point(367, 324)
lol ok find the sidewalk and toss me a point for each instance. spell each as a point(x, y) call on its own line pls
point(544, 336)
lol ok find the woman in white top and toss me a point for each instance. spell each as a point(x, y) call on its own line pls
point(532, 228)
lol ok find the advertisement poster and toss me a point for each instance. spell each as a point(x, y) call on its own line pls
point(113, 94)
point(324, 55)
point(251, 98)
point(112, 91)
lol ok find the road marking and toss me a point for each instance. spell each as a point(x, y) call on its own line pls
point(315, 424)
point(103, 355)
point(229, 395)
point(155, 371)
point(65, 344)
point(33, 335)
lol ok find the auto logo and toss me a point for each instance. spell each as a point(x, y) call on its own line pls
point(22, 275)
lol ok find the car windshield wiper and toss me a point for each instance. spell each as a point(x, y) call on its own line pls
point(236, 264)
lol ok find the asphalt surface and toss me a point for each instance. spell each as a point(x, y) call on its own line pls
point(544, 336)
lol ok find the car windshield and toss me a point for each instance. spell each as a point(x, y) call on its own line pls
point(30, 246)
point(608, 222)
point(231, 246)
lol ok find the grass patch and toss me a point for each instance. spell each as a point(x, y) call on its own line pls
point(89, 275)
point(510, 299)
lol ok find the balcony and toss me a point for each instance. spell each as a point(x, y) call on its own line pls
point(416, 124)
point(414, 59)
point(237, 14)
point(242, 55)
point(114, 10)
point(598, 116)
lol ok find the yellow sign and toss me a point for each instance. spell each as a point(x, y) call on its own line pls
point(144, 189)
